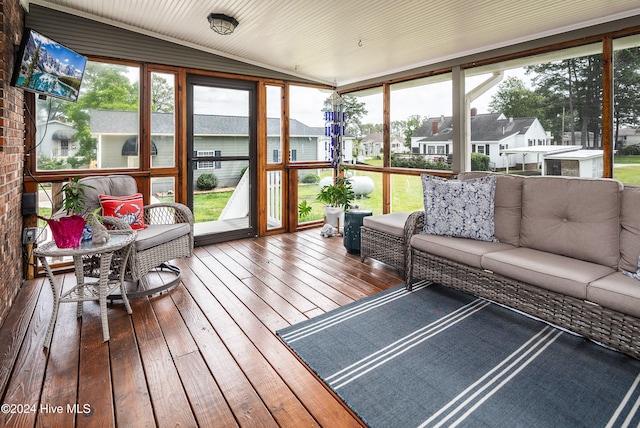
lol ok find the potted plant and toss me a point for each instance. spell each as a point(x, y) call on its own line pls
point(67, 229)
point(336, 198)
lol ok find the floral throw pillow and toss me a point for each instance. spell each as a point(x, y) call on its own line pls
point(634, 275)
point(463, 209)
point(127, 208)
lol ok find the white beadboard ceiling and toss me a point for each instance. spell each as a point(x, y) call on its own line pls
point(345, 41)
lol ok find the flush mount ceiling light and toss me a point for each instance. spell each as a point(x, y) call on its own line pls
point(222, 24)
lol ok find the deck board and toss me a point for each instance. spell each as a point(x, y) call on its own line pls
point(203, 354)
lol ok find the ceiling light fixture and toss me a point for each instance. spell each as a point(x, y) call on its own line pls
point(222, 24)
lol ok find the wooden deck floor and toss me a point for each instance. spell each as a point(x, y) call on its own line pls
point(204, 354)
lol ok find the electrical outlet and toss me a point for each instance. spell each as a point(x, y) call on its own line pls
point(30, 235)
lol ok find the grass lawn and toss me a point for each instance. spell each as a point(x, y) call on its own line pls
point(627, 174)
point(627, 169)
point(406, 194)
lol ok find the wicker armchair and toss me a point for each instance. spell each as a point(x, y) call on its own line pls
point(169, 234)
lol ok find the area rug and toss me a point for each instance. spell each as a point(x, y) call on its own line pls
point(439, 357)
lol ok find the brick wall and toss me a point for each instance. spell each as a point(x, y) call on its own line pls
point(11, 158)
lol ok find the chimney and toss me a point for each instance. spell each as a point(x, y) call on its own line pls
point(434, 127)
point(474, 111)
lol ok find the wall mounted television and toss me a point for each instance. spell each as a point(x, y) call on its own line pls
point(48, 68)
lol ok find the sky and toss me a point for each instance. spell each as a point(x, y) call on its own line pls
point(307, 103)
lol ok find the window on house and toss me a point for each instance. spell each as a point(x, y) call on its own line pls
point(64, 148)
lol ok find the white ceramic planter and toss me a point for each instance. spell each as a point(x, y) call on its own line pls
point(334, 216)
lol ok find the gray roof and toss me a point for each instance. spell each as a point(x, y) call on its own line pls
point(126, 122)
point(484, 127)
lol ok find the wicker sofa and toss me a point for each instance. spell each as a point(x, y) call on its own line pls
point(563, 244)
point(382, 237)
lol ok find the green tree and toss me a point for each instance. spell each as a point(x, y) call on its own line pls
point(514, 99)
point(162, 95)
point(354, 112)
point(410, 126)
point(577, 81)
point(626, 88)
point(106, 87)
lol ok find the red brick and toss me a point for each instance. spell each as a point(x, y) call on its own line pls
point(11, 155)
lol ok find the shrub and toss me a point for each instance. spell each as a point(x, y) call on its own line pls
point(479, 162)
point(310, 178)
point(207, 182)
point(630, 150)
point(419, 162)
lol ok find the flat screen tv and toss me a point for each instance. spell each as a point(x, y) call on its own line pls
point(48, 68)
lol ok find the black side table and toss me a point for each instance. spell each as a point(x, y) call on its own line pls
point(352, 223)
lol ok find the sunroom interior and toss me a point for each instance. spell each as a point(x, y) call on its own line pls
point(245, 110)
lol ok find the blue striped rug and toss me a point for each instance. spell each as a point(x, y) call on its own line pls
point(438, 357)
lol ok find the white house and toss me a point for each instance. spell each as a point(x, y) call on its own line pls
point(56, 140)
point(628, 137)
point(491, 133)
point(371, 145)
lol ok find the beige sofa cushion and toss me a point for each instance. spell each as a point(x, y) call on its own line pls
point(156, 234)
point(630, 233)
point(617, 292)
point(508, 205)
point(574, 217)
point(392, 223)
point(561, 274)
point(461, 250)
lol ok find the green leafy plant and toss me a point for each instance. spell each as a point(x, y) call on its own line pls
point(304, 210)
point(337, 195)
point(73, 193)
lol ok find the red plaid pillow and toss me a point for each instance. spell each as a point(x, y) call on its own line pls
point(127, 208)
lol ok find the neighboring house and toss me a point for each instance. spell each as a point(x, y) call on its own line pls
point(306, 143)
point(56, 140)
point(628, 137)
point(398, 146)
point(214, 135)
point(116, 133)
point(491, 133)
point(575, 137)
point(371, 145)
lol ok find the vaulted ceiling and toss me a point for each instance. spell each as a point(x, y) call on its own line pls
point(344, 41)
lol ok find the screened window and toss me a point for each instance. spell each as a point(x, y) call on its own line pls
point(91, 132)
